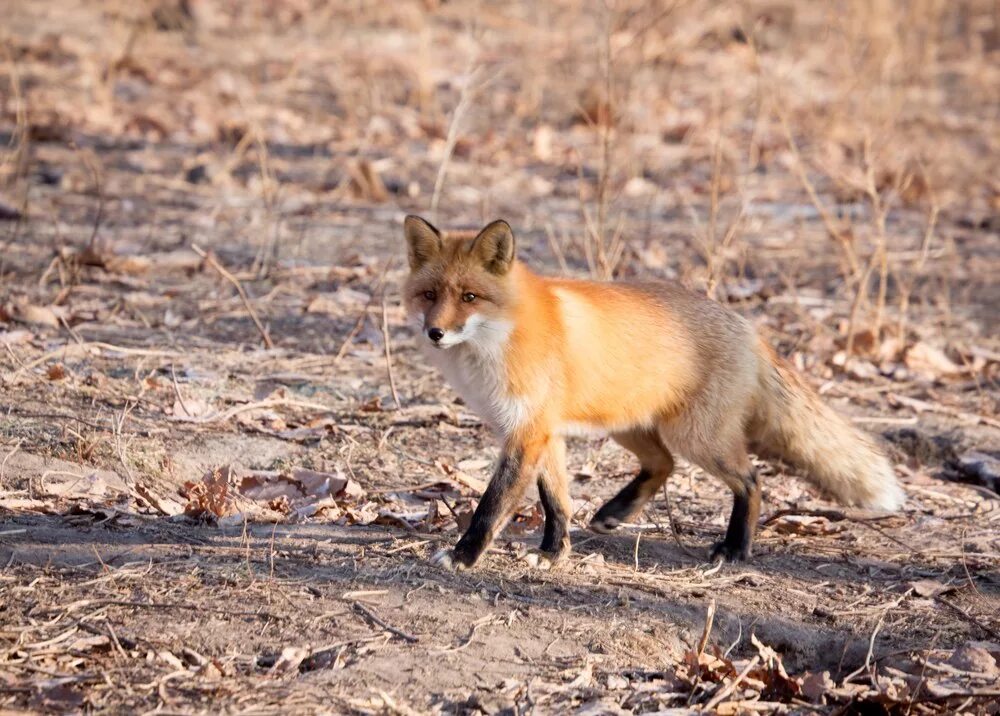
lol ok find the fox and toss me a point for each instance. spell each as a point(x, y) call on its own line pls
point(662, 370)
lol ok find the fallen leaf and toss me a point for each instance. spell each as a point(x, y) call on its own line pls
point(87, 643)
point(930, 588)
point(529, 521)
point(815, 686)
point(33, 315)
point(211, 495)
point(365, 182)
point(289, 659)
point(209, 671)
point(805, 525)
point(930, 362)
point(170, 660)
point(476, 484)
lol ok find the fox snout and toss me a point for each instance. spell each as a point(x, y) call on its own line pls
point(441, 337)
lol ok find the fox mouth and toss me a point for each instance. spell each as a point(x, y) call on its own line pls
point(444, 344)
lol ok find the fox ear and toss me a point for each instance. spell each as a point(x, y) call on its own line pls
point(423, 241)
point(494, 247)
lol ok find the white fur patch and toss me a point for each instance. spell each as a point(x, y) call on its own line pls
point(472, 361)
point(582, 430)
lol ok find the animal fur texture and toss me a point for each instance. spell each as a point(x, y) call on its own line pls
point(661, 369)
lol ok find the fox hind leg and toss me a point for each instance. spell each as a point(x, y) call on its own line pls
point(741, 477)
point(656, 464)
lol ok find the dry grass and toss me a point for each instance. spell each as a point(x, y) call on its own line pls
point(182, 182)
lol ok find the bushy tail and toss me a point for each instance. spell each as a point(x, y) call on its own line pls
point(793, 424)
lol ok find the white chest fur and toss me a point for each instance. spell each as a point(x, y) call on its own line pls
point(475, 368)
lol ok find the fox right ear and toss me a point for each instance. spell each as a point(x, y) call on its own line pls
point(423, 241)
point(494, 246)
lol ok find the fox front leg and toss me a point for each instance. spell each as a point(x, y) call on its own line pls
point(518, 466)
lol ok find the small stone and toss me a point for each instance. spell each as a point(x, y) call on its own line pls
point(975, 659)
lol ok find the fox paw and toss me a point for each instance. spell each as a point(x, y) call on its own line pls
point(545, 559)
point(445, 558)
point(453, 560)
point(730, 553)
point(538, 560)
point(605, 524)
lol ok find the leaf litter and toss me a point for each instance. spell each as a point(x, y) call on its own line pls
point(191, 522)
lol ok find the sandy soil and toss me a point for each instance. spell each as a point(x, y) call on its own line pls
point(191, 521)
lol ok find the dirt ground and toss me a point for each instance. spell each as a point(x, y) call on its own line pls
point(224, 465)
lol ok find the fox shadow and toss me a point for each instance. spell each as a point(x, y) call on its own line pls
point(679, 602)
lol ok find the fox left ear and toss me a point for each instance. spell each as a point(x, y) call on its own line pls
point(423, 241)
point(494, 247)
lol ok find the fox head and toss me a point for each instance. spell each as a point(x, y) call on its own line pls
point(459, 285)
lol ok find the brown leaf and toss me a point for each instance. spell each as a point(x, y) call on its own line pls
point(476, 484)
point(930, 588)
point(463, 519)
point(211, 495)
point(210, 671)
point(289, 659)
point(131, 265)
point(778, 685)
point(305, 493)
point(805, 525)
point(815, 685)
point(170, 660)
point(930, 362)
point(528, 521)
point(33, 315)
point(365, 182)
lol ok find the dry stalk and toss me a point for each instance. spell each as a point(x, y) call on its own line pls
point(879, 212)
point(603, 253)
point(19, 140)
point(907, 282)
point(731, 686)
point(222, 271)
point(8, 456)
point(715, 252)
point(388, 356)
point(860, 292)
point(364, 314)
point(706, 632)
point(556, 248)
point(835, 232)
point(475, 84)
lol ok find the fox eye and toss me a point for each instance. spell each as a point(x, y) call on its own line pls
point(430, 295)
point(468, 297)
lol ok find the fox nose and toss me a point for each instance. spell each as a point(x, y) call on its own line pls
point(435, 334)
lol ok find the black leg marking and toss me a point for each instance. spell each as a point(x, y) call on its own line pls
point(493, 507)
point(742, 522)
point(556, 537)
point(624, 505)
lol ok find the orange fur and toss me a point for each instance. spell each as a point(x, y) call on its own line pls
point(661, 369)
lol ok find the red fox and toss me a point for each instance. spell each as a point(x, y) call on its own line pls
point(661, 369)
